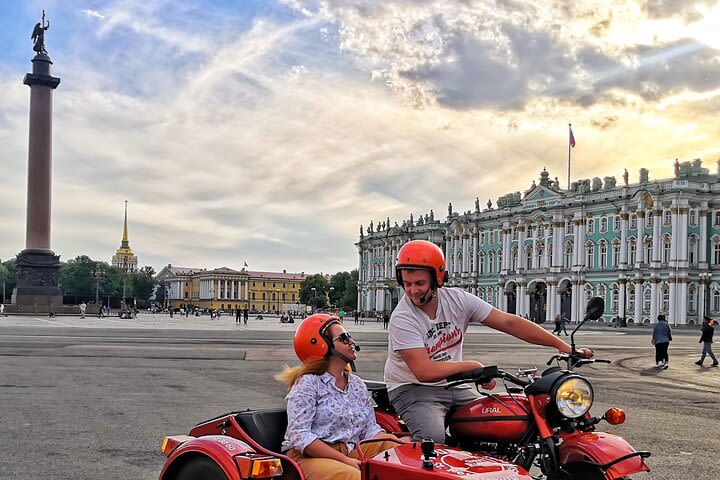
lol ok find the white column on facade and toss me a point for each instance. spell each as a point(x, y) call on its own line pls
point(640, 246)
point(465, 253)
point(232, 289)
point(456, 249)
point(657, 225)
point(638, 300)
point(672, 307)
point(623, 238)
point(703, 218)
point(675, 240)
point(380, 299)
point(505, 233)
point(180, 289)
point(448, 253)
point(701, 299)
point(681, 291)
point(558, 233)
point(521, 247)
point(547, 245)
point(682, 237)
point(654, 307)
point(520, 298)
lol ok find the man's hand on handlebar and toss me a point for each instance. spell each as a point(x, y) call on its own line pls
point(489, 385)
point(586, 352)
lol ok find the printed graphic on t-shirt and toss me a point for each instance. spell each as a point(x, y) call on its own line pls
point(441, 338)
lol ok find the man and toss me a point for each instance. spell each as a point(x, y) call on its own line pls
point(245, 315)
point(237, 315)
point(426, 336)
point(706, 338)
point(83, 307)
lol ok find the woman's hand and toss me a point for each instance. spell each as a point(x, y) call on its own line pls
point(353, 462)
point(489, 385)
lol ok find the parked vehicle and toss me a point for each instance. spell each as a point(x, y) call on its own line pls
point(541, 422)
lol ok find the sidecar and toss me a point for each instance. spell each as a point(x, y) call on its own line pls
point(246, 445)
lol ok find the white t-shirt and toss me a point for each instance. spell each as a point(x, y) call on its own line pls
point(442, 337)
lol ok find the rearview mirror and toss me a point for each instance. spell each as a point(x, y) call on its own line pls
point(595, 308)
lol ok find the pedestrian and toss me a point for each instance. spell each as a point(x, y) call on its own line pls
point(357, 317)
point(563, 322)
point(83, 306)
point(2, 310)
point(706, 338)
point(100, 312)
point(171, 312)
point(556, 330)
point(237, 315)
point(187, 312)
point(245, 315)
point(661, 338)
point(386, 319)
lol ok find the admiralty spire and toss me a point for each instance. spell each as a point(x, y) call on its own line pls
point(124, 258)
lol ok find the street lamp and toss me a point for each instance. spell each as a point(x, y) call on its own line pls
point(705, 279)
point(97, 274)
point(329, 302)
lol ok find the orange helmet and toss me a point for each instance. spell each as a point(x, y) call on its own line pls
point(311, 338)
point(424, 255)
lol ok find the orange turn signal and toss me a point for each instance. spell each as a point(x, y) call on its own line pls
point(171, 443)
point(615, 416)
point(252, 465)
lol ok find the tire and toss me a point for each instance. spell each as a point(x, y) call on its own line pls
point(201, 468)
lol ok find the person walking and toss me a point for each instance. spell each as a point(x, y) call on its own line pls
point(2, 310)
point(357, 317)
point(237, 315)
point(556, 330)
point(386, 319)
point(83, 307)
point(661, 338)
point(245, 315)
point(563, 322)
point(706, 338)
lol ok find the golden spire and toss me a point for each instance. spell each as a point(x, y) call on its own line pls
point(125, 240)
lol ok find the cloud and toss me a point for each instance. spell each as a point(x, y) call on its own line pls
point(93, 14)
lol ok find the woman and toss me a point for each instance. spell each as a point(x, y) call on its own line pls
point(661, 338)
point(329, 409)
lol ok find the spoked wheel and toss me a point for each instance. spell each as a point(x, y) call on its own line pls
point(201, 468)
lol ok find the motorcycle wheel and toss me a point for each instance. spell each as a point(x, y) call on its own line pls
point(201, 468)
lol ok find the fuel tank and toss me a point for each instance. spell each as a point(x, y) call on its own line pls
point(504, 418)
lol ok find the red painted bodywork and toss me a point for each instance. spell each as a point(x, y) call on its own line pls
point(602, 448)
point(220, 448)
point(501, 418)
point(405, 462)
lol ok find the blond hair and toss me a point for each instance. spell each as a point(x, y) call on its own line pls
point(312, 366)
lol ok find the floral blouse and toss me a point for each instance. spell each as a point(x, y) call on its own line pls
point(317, 408)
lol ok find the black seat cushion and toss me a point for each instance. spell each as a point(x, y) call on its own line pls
point(266, 427)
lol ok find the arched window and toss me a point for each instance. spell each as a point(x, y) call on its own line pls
point(648, 250)
point(482, 237)
point(667, 218)
point(633, 221)
point(692, 218)
point(665, 300)
point(630, 305)
point(602, 249)
point(588, 292)
point(716, 251)
point(567, 261)
point(499, 258)
point(528, 257)
point(490, 263)
point(614, 298)
point(481, 263)
point(666, 241)
point(715, 301)
point(569, 227)
point(632, 250)
point(615, 253)
point(601, 291)
point(513, 258)
point(647, 299)
point(692, 298)
point(591, 226)
point(603, 224)
point(481, 293)
point(649, 219)
point(692, 249)
point(616, 223)
point(716, 219)
point(541, 231)
point(590, 255)
point(492, 236)
point(541, 255)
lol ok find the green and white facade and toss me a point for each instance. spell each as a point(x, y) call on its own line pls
point(647, 248)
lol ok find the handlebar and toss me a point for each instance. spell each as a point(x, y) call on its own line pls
point(574, 360)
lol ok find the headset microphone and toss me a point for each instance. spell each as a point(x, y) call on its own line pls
point(424, 298)
point(356, 347)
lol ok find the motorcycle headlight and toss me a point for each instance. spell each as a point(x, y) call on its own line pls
point(574, 397)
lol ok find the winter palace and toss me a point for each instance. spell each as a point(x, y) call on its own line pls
point(647, 248)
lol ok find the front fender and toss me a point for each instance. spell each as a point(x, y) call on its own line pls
point(219, 448)
point(601, 448)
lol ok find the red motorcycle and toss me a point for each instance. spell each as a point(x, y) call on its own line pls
point(539, 422)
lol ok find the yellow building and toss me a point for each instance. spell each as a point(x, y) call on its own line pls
point(124, 258)
point(228, 289)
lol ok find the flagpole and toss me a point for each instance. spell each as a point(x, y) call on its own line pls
point(569, 130)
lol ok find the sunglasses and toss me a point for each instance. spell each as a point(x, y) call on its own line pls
point(343, 337)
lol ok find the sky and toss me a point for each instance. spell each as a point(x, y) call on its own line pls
point(267, 132)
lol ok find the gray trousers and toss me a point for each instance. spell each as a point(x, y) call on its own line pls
point(707, 350)
point(424, 408)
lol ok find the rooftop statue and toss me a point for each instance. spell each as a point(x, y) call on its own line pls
point(625, 177)
point(38, 35)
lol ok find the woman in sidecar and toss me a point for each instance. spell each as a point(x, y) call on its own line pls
point(329, 409)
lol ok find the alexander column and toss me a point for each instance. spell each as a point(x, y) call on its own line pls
point(37, 266)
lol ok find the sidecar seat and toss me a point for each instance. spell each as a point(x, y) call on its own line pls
point(266, 427)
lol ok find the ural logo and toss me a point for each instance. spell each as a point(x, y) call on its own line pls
point(491, 410)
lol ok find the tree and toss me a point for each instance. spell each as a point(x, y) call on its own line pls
point(7, 277)
point(344, 292)
point(318, 297)
point(76, 277)
point(143, 283)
